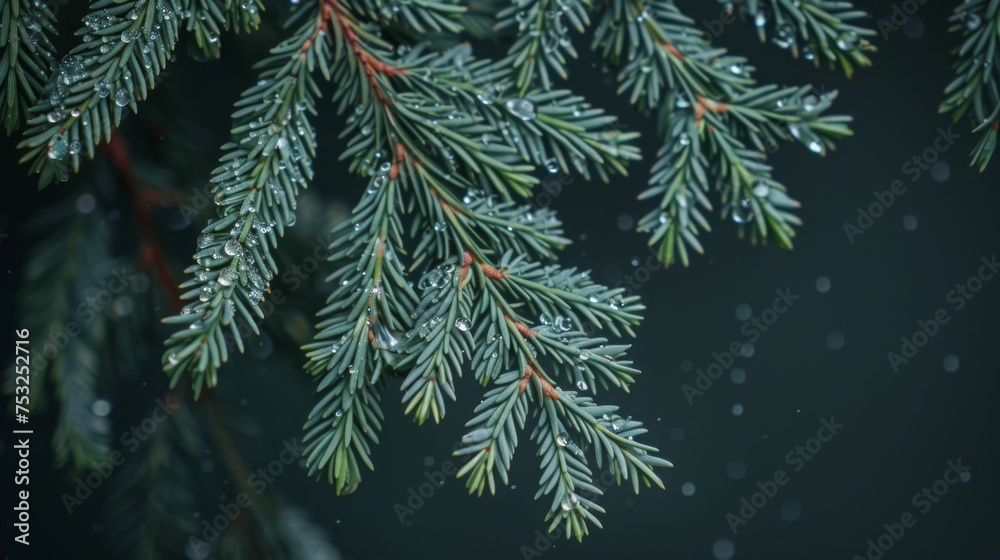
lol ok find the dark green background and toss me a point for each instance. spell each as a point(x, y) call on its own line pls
point(900, 428)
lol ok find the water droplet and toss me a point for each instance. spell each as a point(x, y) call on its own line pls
point(723, 549)
point(760, 189)
point(743, 212)
point(204, 240)
point(58, 147)
point(736, 469)
point(122, 97)
point(570, 502)
point(384, 338)
point(463, 324)
point(847, 41)
point(835, 340)
point(101, 407)
point(233, 248)
point(228, 277)
point(951, 363)
point(581, 385)
point(972, 21)
point(562, 439)
point(521, 108)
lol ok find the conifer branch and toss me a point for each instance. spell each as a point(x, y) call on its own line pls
point(818, 30)
point(475, 255)
point(125, 47)
point(255, 188)
point(155, 485)
point(28, 56)
point(58, 304)
point(543, 41)
point(975, 91)
point(717, 125)
point(209, 18)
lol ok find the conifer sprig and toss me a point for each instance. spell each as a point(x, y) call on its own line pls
point(125, 46)
point(975, 91)
point(28, 56)
point(717, 125)
point(64, 271)
point(818, 30)
point(475, 256)
point(542, 38)
point(255, 187)
point(208, 19)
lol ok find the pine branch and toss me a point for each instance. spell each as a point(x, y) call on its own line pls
point(717, 125)
point(261, 172)
point(209, 18)
point(543, 40)
point(426, 127)
point(148, 511)
point(58, 303)
point(125, 47)
point(975, 91)
point(826, 30)
point(411, 17)
point(28, 56)
point(363, 321)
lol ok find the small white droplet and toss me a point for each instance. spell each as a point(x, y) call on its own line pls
point(823, 284)
point(743, 312)
point(951, 363)
point(723, 549)
point(101, 407)
point(233, 248)
point(834, 340)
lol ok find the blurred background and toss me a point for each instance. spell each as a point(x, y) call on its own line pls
point(824, 359)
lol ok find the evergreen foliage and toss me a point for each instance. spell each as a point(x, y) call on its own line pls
point(975, 91)
point(445, 266)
